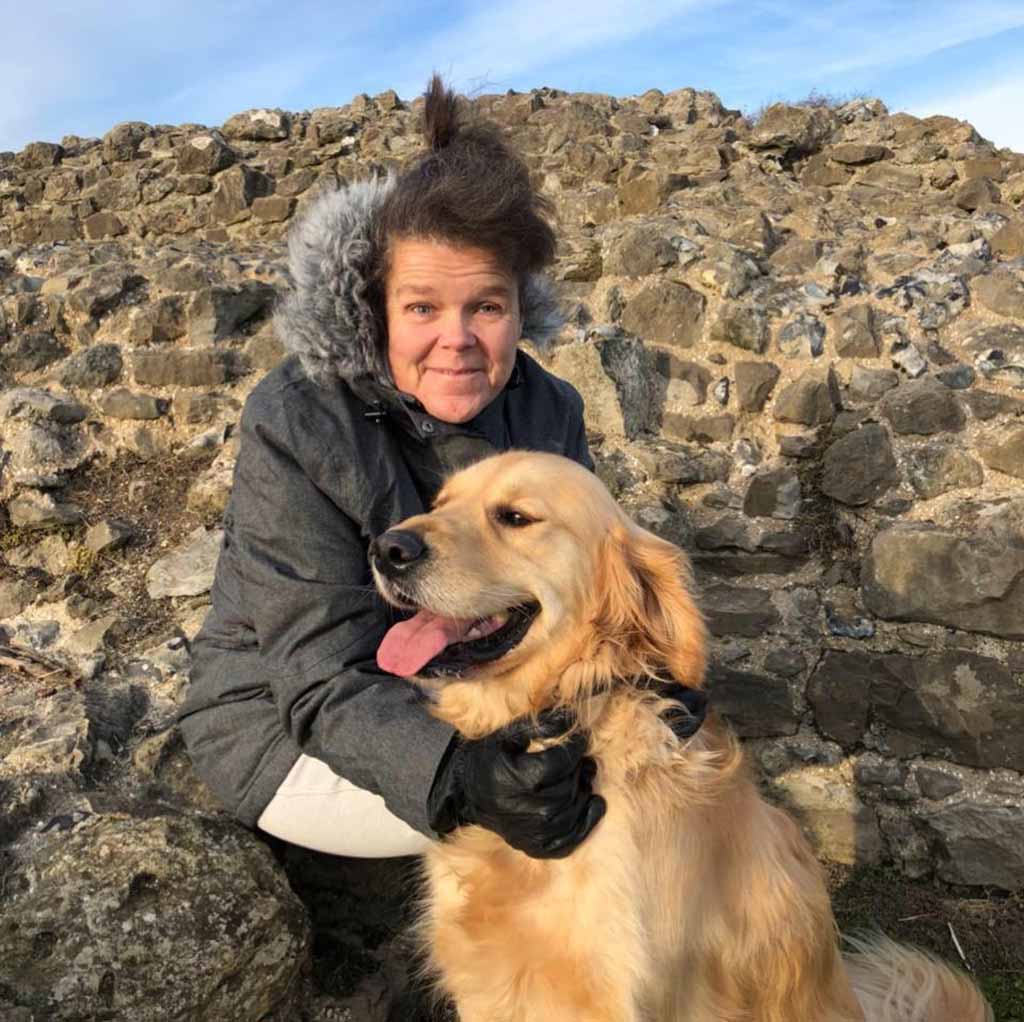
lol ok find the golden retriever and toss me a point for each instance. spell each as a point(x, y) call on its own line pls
point(693, 900)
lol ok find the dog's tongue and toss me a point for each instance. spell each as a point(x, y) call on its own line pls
point(411, 644)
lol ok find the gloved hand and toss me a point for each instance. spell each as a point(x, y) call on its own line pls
point(688, 717)
point(541, 803)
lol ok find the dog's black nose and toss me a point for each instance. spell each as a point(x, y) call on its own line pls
point(397, 550)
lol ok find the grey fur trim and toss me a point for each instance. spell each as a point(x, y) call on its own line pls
point(543, 316)
point(327, 319)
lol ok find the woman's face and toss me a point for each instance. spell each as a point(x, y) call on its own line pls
point(453, 326)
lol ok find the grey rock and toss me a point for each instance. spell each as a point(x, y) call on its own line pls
point(189, 570)
point(40, 156)
point(666, 313)
point(854, 333)
point(30, 510)
point(870, 384)
point(1001, 292)
point(738, 610)
point(792, 129)
point(43, 454)
point(937, 297)
point(916, 572)
point(196, 905)
point(1005, 453)
point(797, 255)
point(812, 399)
point(217, 312)
point(935, 783)
point(846, 627)
point(96, 366)
point(640, 250)
point(31, 403)
point(707, 429)
point(923, 407)
point(122, 142)
point(958, 377)
point(859, 467)
point(108, 534)
point(755, 382)
point(802, 337)
point(799, 445)
point(976, 193)
point(909, 359)
point(258, 125)
point(742, 325)
point(938, 468)
point(31, 351)
point(786, 663)
point(684, 385)
point(773, 492)
point(236, 189)
point(205, 154)
point(856, 154)
point(181, 367)
point(756, 705)
point(125, 404)
point(982, 844)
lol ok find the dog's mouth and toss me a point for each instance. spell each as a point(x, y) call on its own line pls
point(433, 646)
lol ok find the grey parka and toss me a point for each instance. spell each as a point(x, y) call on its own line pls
point(330, 456)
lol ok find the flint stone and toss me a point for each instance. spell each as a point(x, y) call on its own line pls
point(923, 407)
point(1001, 292)
point(123, 140)
point(854, 154)
point(15, 596)
point(684, 384)
point(756, 705)
point(676, 463)
point(773, 493)
point(259, 125)
point(642, 189)
point(640, 250)
point(708, 429)
point(666, 313)
point(978, 192)
point(870, 384)
point(743, 326)
point(939, 468)
point(40, 156)
point(273, 209)
point(818, 172)
point(124, 404)
point(840, 827)
point(96, 366)
point(811, 400)
point(189, 570)
point(793, 129)
point(802, 336)
point(192, 904)
point(43, 454)
point(182, 367)
point(859, 467)
point(205, 154)
point(32, 351)
point(936, 784)
point(738, 610)
point(236, 189)
point(41, 511)
point(217, 312)
point(264, 349)
point(854, 332)
point(984, 844)
point(917, 572)
point(32, 403)
point(798, 255)
point(1005, 454)
point(193, 184)
point(1009, 239)
point(103, 225)
point(108, 534)
point(755, 382)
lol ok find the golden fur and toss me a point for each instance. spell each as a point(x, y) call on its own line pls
point(693, 900)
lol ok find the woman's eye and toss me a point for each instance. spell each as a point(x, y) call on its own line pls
point(512, 518)
point(420, 308)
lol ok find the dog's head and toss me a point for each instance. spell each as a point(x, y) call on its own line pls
point(527, 575)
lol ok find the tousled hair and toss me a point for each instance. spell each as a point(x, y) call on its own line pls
point(469, 189)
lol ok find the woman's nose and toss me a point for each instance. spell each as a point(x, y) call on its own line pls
point(457, 332)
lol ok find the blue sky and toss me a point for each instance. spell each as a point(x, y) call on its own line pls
point(80, 67)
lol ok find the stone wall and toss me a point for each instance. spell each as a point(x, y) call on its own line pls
point(801, 342)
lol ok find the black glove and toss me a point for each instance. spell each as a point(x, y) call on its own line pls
point(686, 718)
point(541, 803)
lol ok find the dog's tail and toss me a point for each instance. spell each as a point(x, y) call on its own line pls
point(895, 983)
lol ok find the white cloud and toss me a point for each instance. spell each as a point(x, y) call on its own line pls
point(995, 109)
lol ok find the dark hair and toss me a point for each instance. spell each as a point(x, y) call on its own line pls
point(469, 189)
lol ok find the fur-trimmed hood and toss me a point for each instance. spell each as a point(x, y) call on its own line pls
point(328, 319)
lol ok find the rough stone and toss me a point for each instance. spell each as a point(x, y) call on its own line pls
point(1005, 454)
point(1009, 240)
point(236, 189)
point(738, 610)
point(666, 313)
point(258, 125)
point(935, 783)
point(976, 193)
point(31, 510)
point(125, 404)
point(742, 325)
point(197, 907)
point(870, 384)
point(938, 468)
point(773, 492)
point(812, 399)
point(756, 705)
point(108, 534)
point(638, 251)
point(918, 572)
point(755, 382)
point(103, 225)
point(1001, 292)
point(854, 333)
point(217, 312)
point(96, 366)
point(855, 154)
point(205, 154)
point(181, 367)
point(34, 403)
point(122, 142)
point(859, 467)
point(189, 570)
point(922, 407)
point(984, 844)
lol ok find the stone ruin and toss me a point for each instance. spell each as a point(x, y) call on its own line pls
point(801, 344)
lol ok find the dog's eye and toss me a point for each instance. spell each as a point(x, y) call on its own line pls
point(512, 518)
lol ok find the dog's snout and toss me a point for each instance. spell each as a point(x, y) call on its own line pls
point(398, 549)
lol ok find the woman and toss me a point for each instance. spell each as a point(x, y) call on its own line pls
point(410, 297)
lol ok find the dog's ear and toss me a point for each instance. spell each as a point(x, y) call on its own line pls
point(645, 605)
